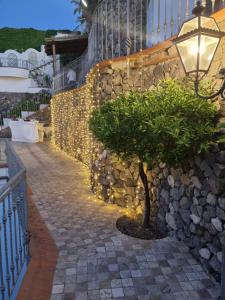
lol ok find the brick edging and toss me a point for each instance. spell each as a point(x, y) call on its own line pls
point(37, 284)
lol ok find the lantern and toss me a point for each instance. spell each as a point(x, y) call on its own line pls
point(197, 43)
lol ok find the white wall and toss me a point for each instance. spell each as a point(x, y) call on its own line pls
point(18, 85)
point(13, 72)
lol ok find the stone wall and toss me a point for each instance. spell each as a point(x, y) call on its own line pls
point(192, 204)
point(9, 100)
point(189, 203)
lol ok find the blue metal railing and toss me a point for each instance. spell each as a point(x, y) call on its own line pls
point(14, 237)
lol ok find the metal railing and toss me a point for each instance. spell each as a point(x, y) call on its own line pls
point(42, 79)
point(165, 17)
point(123, 27)
point(14, 237)
point(73, 74)
point(15, 63)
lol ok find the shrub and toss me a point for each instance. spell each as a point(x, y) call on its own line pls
point(169, 124)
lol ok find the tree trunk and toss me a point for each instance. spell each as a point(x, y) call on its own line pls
point(147, 208)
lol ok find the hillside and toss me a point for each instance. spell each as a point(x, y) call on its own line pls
point(24, 38)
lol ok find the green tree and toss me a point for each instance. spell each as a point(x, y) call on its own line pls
point(168, 124)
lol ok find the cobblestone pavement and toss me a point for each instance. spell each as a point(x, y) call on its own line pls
point(95, 260)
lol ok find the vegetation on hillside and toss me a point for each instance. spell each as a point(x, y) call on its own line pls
point(24, 38)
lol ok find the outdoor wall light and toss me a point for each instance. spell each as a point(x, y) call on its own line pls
point(84, 3)
point(197, 43)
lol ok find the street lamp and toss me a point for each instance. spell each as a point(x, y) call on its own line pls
point(196, 44)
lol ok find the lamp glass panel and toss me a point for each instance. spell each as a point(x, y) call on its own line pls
point(188, 50)
point(189, 26)
point(208, 45)
point(208, 23)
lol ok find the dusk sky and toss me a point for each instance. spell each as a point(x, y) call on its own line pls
point(38, 14)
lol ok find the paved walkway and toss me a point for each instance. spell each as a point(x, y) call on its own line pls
point(95, 260)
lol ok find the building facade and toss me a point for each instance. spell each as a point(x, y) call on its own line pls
point(19, 72)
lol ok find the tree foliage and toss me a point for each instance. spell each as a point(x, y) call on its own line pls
point(169, 124)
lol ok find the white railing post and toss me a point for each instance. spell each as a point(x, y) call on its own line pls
point(102, 31)
point(187, 13)
point(159, 19)
point(112, 30)
point(118, 3)
point(106, 30)
point(128, 41)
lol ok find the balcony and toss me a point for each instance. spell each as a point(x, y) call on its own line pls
point(121, 28)
point(17, 68)
point(15, 63)
point(18, 75)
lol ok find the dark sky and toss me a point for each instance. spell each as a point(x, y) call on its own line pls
point(38, 14)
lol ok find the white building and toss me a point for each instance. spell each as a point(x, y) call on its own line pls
point(18, 73)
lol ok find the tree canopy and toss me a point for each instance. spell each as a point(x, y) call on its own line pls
point(169, 123)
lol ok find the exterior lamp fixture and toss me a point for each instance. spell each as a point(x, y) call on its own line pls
point(84, 2)
point(197, 43)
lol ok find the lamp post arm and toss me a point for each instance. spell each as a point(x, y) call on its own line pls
point(221, 91)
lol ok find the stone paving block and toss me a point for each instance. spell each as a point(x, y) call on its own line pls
point(93, 285)
point(126, 282)
point(81, 278)
point(69, 288)
point(57, 297)
point(81, 296)
point(105, 284)
point(192, 276)
point(93, 295)
point(113, 267)
point(81, 287)
point(105, 293)
point(181, 277)
point(115, 283)
point(129, 291)
point(150, 258)
point(125, 274)
point(135, 273)
point(70, 271)
point(186, 286)
point(58, 289)
point(69, 296)
point(117, 292)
